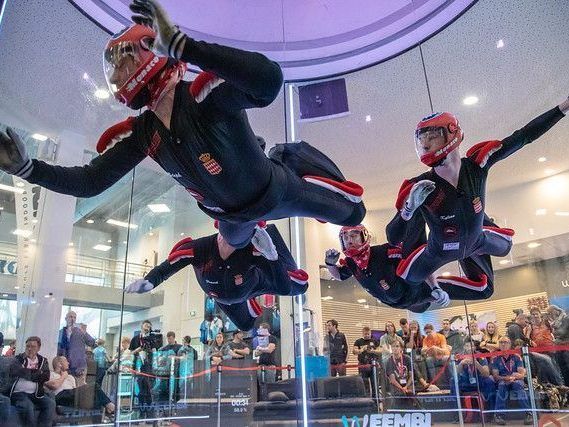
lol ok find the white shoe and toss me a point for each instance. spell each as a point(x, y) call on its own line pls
point(264, 244)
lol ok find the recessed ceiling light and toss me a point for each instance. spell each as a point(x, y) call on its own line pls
point(70, 243)
point(1, 208)
point(531, 231)
point(23, 233)
point(124, 242)
point(46, 295)
point(159, 208)
point(150, 233)
point(326, 298)
point(16, 287)
point(121, 224)
point(446, 274)
point(102, 93)
point(109, 241)
point(34, 221)
point(103, 248)
point(549, 171)
point(366, 305)
point(361, 300)
point(39, 136)
point(20, 184)
point(12, 189)
point(368, 118)
point(85, 76)
point(470, 100)
point(542, 159)
point(500, 44)
point(533, 245)
point(541, 212)
point(90, 221)
point(4, 295)
point(33, 240)
point(182, 234)
point(562, 213)
point(504, 261)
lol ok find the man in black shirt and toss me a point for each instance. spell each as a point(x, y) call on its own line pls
point(142, 346)
point(172, 344)
point(520, 330)
point(336, 347)
point(265, 350)
point(367, 349)
point(238, 349)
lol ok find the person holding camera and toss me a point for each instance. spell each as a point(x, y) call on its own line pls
point(367, 349)
point(142, 346)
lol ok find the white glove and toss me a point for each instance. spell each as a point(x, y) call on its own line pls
point(441, 297)
point(332, 257)
point(264, 244)
point(14, 158)
point(417, 196)
point(139, 286)
point(433, 387)
point(169, 40)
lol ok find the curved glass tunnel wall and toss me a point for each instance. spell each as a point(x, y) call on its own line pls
point(61, 254)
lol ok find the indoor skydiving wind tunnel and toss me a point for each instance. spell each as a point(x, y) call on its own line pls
point(247, 244)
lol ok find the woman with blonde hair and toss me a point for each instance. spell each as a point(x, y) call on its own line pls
point(491, 337)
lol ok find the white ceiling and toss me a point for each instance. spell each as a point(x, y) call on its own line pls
point(46, 47)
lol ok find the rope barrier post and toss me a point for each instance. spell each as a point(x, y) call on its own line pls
point(456, 389)
point(374, 376)
point(525, 355)
point(171, 385)
point(219, 395)
point(288, 369)
point(412, 356)
point(263, 374)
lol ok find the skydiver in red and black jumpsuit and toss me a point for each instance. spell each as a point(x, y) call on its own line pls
point(198, 132)
point(450, 199)
point(233, 277)
point(374, 268)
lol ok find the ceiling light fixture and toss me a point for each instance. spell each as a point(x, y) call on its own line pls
point(326, 298)
point(368, 118)
point(470, 100)
point(361, 300)
point(70, 243)
point(90, 221)
point(12, 189)
point(158, 208)
point(102, 94)
point(121, 224)
point(500, 44)
point(20, 184)
point(103, 248)
point(504, 261)
point(540, 212)
point(533, 245)
point(85, 76)
point(542, 159)
point(23, 233)
point(39, 136)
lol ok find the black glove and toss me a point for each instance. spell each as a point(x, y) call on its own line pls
point(13, 155)
point(332, 256)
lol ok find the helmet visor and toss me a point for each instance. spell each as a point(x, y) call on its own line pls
point(121, 62)
point(352, 239)
point(429, 139)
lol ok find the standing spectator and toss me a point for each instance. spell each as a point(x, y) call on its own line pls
point(509, 373)
point(11, 351)
point(101, 359)
point(489, 342)
point(172, 344)
point(26, 393)
point(187, 355)
point(336, 346)
point(520, 329)
point(403, 332)
point(398, 371)
point(559, 321)
point(71, 344)
point(238, 349)
point(367, 349)
point(453, 338)
point(218, 350)
point(475, 335)
point(266, 346)
point(414, 340)
point(142, 347)
point(387, 340)
point(187, 349)
point(541, 334)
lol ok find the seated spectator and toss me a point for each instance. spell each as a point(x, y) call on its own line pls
point(387, 340)
point(474, 375)
point(218, 350)
point(26, 392)
point(454, 338)
point(435, 351)
point(11, 350)
point(489, 342)
point(541, 334)
point(65, 388)
point(398, 371)
point(559, 321)
point(414, 340)
point(403, 332)
point(520, 329)
point(101, 359)
point(237, 348)
point(509, 374)
point(542, 366)
point(8, 414)
point(475, 336)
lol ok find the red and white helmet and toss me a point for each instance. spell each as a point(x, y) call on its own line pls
point(448, 126)
point(366, 237)
point(135, 75)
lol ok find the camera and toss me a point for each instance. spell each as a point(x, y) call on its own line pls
point(153, 340)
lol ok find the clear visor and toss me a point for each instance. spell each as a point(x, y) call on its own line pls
point(121, 62)
point(425, 138)
point(352, 238)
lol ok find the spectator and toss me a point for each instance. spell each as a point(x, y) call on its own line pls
point(403, 332)
point(26, 393)
point(238, 349)
point(124, 357)
point(541, 334)
point(453, 338)
point(66, 391)
point(435, 351)
point(142, 347)
point(11, 351)
point(172, 344)
point(490, 340)
point(398, 371)
point(266, 346)
point(336, 346)
point(474, 375)
point(520, 329)
point(187, 350)
point(475, 335)
point(1, 342)
point(387, 340)
point(71, 344)
point(218, 350)
point(542, 366)
point(559, 321)
point(414, 340)
point(101, 359)
point(8, 413)
point(509, 374)
point(187, 355)
point(367, 349)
